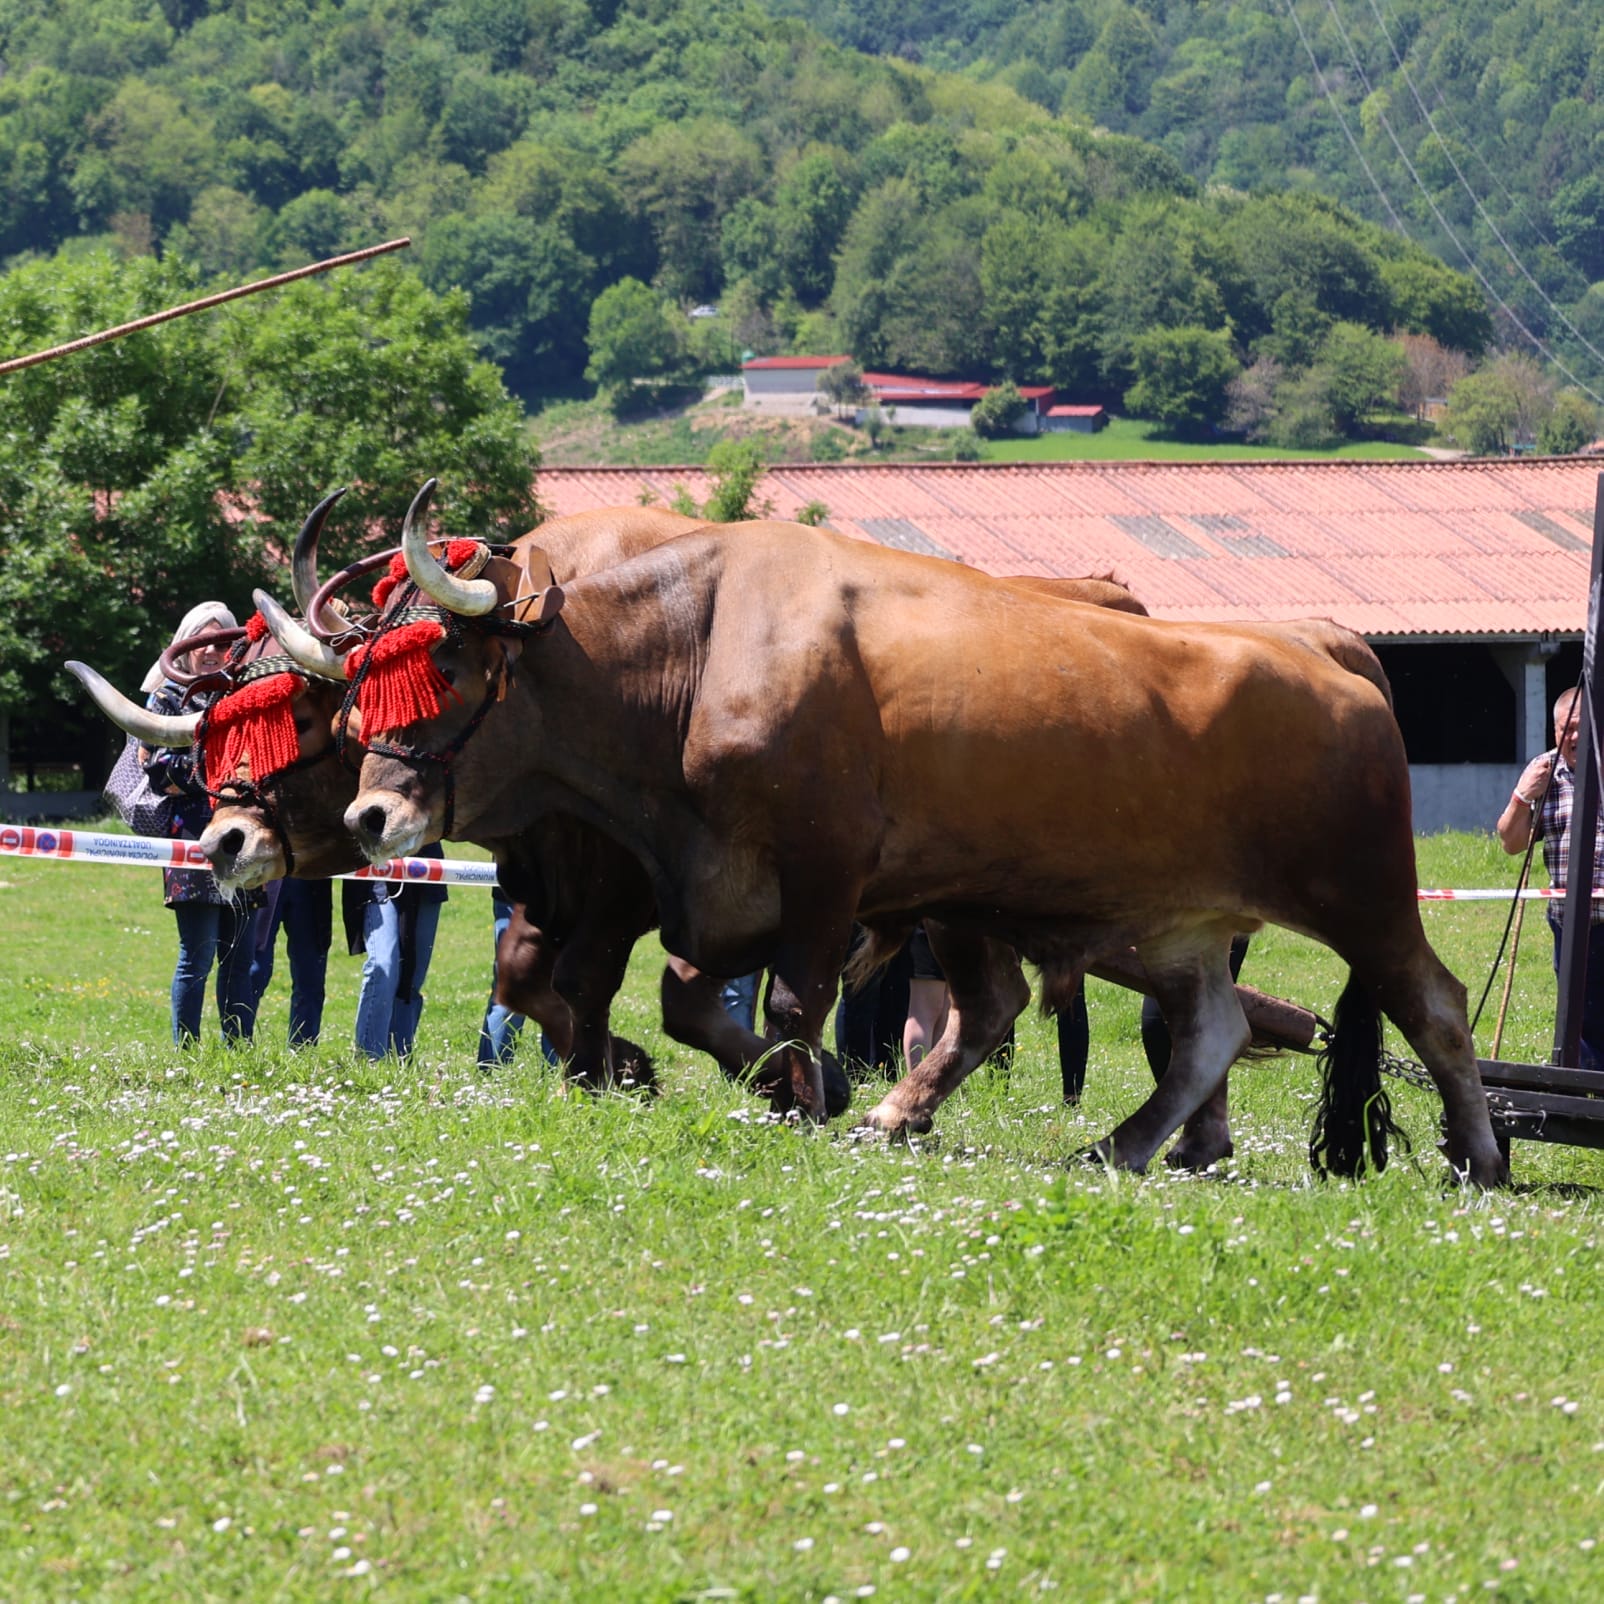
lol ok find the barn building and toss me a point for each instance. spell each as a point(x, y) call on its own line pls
point(1469, 578)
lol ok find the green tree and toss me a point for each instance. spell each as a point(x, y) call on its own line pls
point(528, 290)
point(685, 177)
point(1482, 413)
point(735, 467)
point(1182, 376)
point(632, 335)
point(1571, 425)
point(1360, 372)
point(843, 384)
point(811, 209)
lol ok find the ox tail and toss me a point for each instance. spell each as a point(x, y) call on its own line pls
point(879, 945)
point(1354, 1117)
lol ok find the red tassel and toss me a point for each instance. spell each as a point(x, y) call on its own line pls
point(253, 722)
point(255, 628)
point(403, 686)
point(387, 585)
point(459, 552)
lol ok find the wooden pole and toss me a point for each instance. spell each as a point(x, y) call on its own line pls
point(202, 305)
point(1509, 974)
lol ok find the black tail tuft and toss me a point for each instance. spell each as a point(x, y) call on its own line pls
point(1354, 1119)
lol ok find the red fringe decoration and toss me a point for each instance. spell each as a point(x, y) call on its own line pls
point(253, 722)
point(255, 628)
point(460, 551)
point(403, 686)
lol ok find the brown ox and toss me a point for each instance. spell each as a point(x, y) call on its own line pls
point(788, 727)
point(589, 899)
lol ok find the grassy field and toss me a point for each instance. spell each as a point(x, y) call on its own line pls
point(296, 1327)
point(586, 432)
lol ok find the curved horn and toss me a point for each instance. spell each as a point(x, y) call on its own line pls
point(303, 561)
point(308, 651)
point(473, 598)
point(154, 729)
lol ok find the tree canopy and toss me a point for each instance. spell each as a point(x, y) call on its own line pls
point(141, 476)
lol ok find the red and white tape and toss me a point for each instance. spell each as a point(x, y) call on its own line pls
point(94, 846)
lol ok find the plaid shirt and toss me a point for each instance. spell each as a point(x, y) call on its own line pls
point(1553, 825)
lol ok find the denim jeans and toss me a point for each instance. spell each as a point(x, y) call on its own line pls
point(305, 910)
point(498, 1035)
point(208, 933)
point(386, 1021)
point(739, 998)
point(1592, 992)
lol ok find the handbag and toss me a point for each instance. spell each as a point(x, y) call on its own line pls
point(137, 802)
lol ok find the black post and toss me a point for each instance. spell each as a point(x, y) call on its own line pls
point(1584, 824)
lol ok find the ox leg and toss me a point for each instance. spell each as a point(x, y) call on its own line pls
point(1427, 1004)
point(694, 1016)
point(802, 990)
point(988, 991)
point(1208, 1030)
point(525, 961)
point(1206, 1136)
point(588, 975)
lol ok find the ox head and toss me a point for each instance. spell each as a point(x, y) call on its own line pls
point(432, 677)
point(289, 821)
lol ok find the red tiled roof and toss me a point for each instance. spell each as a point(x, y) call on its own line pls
point(761, 362)
point(914, 387)
point(1064, 411)
point(1496, 548)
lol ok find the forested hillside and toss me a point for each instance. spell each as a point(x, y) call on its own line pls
point(1475, 126)
point(547, 153)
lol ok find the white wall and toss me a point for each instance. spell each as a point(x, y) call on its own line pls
point(1460, 796)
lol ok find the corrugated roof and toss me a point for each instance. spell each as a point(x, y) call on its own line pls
point(770, 363)
point(1388, 548)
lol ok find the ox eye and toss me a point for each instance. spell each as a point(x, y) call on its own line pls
point(449, 675)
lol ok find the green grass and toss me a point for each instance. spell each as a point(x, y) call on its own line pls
point(295, 1327)
point(586, 432)
point(1130, 439)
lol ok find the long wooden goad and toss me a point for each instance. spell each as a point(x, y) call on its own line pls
point(202, 305)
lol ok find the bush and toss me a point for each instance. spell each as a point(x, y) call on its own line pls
point(998, 410)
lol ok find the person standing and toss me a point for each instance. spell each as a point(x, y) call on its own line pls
point(211, 928)
point(304, 909)
point(1540, 805)
point(394, 925)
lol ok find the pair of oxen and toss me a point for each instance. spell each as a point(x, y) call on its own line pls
point(753, 735)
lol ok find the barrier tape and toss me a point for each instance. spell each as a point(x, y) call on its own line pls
point(93, 846)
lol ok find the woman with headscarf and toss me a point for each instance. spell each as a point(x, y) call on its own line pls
point(210, 928)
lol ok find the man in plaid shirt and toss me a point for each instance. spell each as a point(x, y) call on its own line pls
point(1540, 805)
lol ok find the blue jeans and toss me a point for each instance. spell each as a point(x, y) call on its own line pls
point(386, 1021)
point(208, 933)
point(305, 910)
point(498, 1035)
point(739, 998)
point(1592, 994)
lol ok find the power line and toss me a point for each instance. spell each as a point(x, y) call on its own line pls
point(1481, 210)
point(1537, 342)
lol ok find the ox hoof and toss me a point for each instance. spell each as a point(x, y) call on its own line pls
point(888, 1122)
point(1103, 1155)
point(1199, 1154)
